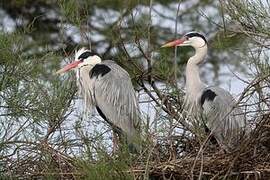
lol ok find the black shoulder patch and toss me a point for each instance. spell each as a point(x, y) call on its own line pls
point(208, 95)
point(86, 54)
point(195, 34)
point(99, 69)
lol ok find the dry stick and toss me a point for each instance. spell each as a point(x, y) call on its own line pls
point(122, 46)
point(19, 130)
point(263, 98)
point(83, 33)
point(175, 69)
point(41, 146)
point(166, 107)
point(149, 47)
point(158, 110)
point(231, 164)
point(146, 173)
point(149, 62)
point(57, 124)
point(242, 145)
point(201, 169)
point(222, 15)
point(175, 48)
point(169, 108)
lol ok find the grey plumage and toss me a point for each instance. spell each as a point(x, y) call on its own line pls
point(107, 87)
point(222, 116)
point(213, 105)
point(114, 95)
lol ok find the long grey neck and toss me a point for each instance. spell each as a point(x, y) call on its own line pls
point(194, 85)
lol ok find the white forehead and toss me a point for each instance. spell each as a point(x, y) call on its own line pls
point(196, 38)
point(79, 52)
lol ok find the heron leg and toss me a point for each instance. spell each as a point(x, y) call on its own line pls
point(221, 143)
point(115, 142)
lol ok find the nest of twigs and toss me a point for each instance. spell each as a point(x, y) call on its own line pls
point(180, 158)
point(250, 161)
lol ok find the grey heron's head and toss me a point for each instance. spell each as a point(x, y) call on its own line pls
point(194, 39)
point(83, 57)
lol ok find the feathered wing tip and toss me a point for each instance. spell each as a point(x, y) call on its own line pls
point(135, 144)
point(132, 143)
point(134, 140)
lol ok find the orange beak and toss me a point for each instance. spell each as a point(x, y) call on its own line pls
point(174, 43)
point(68, 67)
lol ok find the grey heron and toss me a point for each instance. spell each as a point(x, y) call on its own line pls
point(214, 105)
point(107, 87)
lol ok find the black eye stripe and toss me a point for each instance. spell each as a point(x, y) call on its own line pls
point(87, 54)
point(195, 34)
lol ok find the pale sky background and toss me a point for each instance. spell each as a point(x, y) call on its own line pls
point(226, 78)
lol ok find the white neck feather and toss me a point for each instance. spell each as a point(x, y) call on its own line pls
point(193, 81)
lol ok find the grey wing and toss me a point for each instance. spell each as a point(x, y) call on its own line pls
point(115, 97)
point(226, 121)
